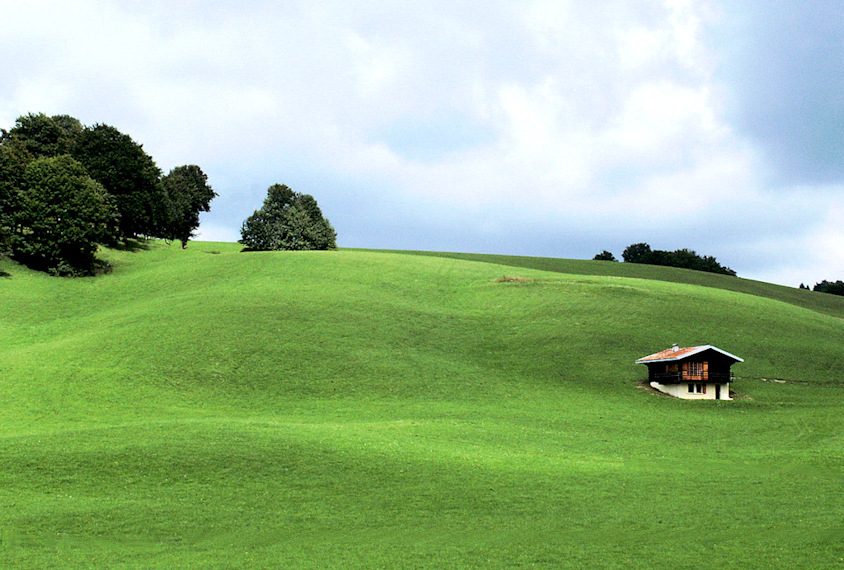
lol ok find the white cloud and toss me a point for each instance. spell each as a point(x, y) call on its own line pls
point(598, 121)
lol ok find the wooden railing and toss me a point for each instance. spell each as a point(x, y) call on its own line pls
point(706, 376)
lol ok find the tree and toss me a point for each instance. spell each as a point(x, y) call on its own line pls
point(836, 288)
point(65, 188)
point(287, 220)
point(187, 194)
point(637, 253)
point(126, 172)
point(685, 258)
point(61, 216)
point(12, 166)
point(316, 233)
point(70, 127)
point(604, 256)
point(33, 136)
point(38, 135)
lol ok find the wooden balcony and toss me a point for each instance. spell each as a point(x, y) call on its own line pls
point(679, 377)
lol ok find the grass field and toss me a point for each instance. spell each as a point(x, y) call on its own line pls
point(210, 408)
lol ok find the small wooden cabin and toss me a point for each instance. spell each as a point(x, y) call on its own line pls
point(695, 373)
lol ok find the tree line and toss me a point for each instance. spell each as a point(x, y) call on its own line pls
point(832, 287)
point(66, 188)
point(688, 259)
point(684, 258)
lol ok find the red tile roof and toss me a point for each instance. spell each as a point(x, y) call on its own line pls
point(678, 353)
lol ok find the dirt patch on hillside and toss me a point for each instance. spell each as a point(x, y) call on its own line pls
point(512, 279)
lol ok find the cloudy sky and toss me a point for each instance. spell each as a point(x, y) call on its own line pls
point(539, 127)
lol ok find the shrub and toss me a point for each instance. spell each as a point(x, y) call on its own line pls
point(604, 256)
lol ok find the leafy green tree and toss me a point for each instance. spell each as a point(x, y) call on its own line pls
point(70, 126)
point(834, 288)
point(126, 172)
point(6, 208)
point(101, 188)
point(257, 232)
point(316, 233)
point(61, 216)
point(38, 135)
point(685, 258)
point(188, 194)
point(637, 253)
point(604, 256)
point(13, 162)
point(287, 220)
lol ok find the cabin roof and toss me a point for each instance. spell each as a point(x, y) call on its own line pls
point(676, 353)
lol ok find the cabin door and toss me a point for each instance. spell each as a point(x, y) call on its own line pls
point(717, 391)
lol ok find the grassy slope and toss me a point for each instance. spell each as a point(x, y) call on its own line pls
point(373, 409)
point(824, 303)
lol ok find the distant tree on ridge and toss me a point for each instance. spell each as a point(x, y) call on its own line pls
point(288, 221)
point(604, 256)
point(685, 258)
point(186, 193)
point(836, 288)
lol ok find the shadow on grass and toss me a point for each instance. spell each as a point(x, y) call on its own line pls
point(132, 245)
point(102, 267)
point(4, 274)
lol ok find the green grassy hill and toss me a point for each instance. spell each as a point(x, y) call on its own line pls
point(208, 408)
point(829, 304)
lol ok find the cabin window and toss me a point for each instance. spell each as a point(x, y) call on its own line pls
point(697, 388)
point(695, 368)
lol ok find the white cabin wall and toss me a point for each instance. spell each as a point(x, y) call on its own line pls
point(682, 391)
